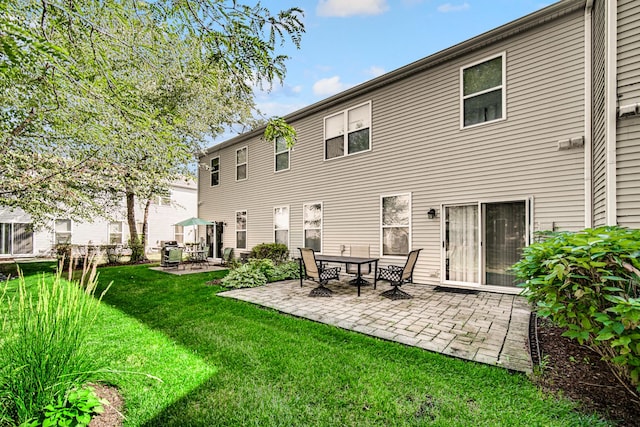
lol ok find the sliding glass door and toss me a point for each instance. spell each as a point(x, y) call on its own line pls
point(483, 240)
point(16, 239)
point(461, 243)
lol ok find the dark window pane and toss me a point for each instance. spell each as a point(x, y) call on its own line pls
point(358, 141)
point(334, 147)
point(241, 172)
point(312, 240)
point(241, 156)
point(241, 239)
point(282, 236)
point(215, 179)
point(483, 108)
point(395, 241)
point(282, 161)
point(281, 145)
point(483, 76)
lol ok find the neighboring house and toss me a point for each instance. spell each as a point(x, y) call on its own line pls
point(529, 127)
point(17, 239)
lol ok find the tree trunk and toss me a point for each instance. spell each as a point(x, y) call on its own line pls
point(131, 215)
point(137, 250)
point(145, 228)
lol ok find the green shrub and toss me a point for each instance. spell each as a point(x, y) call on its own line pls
point(276, 252)
point(258, 272)
point(42, 348)
point(137, 250)
point(76, 410)
point(588, 282)
point(284, 271)
point(244, 276)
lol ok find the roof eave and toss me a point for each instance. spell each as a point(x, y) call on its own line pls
point(542, 16)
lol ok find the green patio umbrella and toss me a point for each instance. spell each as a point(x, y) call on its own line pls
point(194, 222)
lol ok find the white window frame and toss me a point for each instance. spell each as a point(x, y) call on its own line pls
point(345, 131)
point(276, 153)
point(246, 163)
point(212, 172)
point(304, 228)
point(246, 234)
point(409, 225)
point(9, 235)
point(56, 232)
point(110, 233)
point(178, 234)
point(281, 229)
point(529, 204)
point(503, 88)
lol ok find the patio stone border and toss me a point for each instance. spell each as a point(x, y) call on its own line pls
point(484, 327)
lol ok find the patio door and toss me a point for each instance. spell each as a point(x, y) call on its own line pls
point(214, 239)
point(482, 240)
point(16, 239)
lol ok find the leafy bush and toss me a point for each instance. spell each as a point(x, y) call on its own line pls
point(276, 252)
point(258, 272)
point(244, 276)
point(284, 271)
point(42, 347)
point(76, 410)
point(588, 282)
point(137, 250)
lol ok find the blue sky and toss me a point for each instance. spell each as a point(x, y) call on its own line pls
point(348, 42)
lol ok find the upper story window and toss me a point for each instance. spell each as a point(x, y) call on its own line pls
point(395, 219)
point(483, 91)
point(241, 164)
point(348, 132)
point(215, 171)
point(63, 231)
point(281, 155)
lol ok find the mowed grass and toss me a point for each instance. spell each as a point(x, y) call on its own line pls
point(223, 362)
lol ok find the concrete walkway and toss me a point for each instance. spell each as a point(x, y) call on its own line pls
point(481, 326)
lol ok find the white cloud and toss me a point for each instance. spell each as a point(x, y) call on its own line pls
point(448, 7)
point(329, 86)
point(342, 8)
point(375, 71)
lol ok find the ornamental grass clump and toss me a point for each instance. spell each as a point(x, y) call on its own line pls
point(43, 351)
point(589, 283)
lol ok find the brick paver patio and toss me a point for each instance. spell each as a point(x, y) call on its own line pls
point(485, 327)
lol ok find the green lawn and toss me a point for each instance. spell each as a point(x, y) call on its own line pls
point(187, 357)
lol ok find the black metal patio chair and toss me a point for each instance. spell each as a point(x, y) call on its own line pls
point(319, 273)
point(397, 276)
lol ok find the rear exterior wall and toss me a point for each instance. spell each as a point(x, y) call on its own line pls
point(418, 147)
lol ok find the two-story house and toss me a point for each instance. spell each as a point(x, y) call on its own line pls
point(466, 153)
point(18, 239)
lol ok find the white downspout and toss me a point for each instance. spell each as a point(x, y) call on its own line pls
point(588, 117)
point(610, 111)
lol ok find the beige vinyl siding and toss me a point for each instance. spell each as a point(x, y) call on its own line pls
point(418, 148)
point(598, 112)
point(628, 129)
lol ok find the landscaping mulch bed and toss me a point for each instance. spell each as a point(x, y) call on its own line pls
point(112, 415)
point(577, 372)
